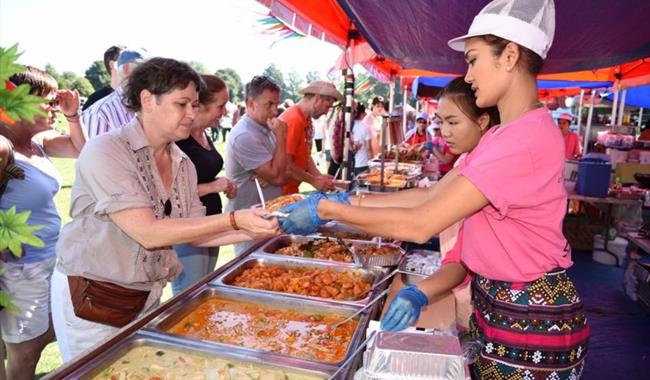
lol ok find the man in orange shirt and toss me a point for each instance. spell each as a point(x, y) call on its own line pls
point(317, 99)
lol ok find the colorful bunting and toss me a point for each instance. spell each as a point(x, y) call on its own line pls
point(271, 25)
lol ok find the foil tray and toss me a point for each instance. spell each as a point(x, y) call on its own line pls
point(389, 260)
point(94, 367)
point(171, 317)
point(412, 277)
point(414, 357)
point(372, 275)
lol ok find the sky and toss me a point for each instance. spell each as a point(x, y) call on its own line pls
point(72, 34)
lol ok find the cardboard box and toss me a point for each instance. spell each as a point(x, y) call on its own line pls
point(626, 171)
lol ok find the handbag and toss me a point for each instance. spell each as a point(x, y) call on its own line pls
point(105, 302)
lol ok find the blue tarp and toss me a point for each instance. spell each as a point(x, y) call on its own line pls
point(637, 97)
point(420, 82)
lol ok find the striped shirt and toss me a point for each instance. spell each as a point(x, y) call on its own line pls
point(106, 114)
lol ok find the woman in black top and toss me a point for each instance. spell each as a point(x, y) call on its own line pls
point(199, 261)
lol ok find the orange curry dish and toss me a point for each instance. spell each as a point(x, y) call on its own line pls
point(286, 332)
point(314, 282)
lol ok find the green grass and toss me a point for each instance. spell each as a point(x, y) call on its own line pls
point(50, 357)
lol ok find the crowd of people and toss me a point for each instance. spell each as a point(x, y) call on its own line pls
point(146, 203)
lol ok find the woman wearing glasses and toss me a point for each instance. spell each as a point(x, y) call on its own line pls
point(27, 278)
point(135, 195)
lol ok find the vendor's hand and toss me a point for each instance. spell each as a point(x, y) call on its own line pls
point(303, 216)
point(68, 102)
point(405, 309)
point(252, 221)
point(323, 182)
point(277, 126)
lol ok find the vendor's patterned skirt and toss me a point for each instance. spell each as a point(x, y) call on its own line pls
point(534, 330)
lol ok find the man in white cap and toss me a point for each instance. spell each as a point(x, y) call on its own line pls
point(571, 140)
point(317, 99)
point(109, 112)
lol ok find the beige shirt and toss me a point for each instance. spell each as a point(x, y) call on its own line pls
point(117, 171)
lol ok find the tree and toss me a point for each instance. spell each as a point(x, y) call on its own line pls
point(294, 84)
point(72, 81)
point(52, 71)
point(275, 74)
point(234, 83)
point(199, 67)
point(97, 75)
point(312, 76)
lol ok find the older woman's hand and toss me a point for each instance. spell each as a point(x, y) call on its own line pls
point(253, 222)
point(68, 102)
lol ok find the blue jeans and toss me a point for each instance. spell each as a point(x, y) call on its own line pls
point(197, 262)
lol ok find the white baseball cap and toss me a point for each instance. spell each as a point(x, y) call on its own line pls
point(529, 23)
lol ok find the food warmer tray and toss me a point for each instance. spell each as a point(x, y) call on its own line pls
point(285, 240)
point(372, 274)
point(171, 317)
point(94, 367)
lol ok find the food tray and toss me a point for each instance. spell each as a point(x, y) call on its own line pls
point(163, 323)
point(285, 240)
point(414, 356)
point(96, 366)
point(229, 276)
point(388, 260)
point(330, 229)
point(412, 275)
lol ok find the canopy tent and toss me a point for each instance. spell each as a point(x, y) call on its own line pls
point(636, 97)
point(425, 26)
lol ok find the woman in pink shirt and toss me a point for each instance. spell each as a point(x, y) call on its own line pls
point(572, 148)
point(509, 191)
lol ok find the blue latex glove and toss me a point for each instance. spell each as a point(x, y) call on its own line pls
point(303, 216)
point(405, 309)
point(428, 146)
point(339, 197)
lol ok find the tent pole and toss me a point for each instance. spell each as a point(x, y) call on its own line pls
point(349, 98)
point(391, 103)
point(615, 103)
point(640, 117)
point(405, 98)
point(590, 115)
point(621, 107)
point(582, 95)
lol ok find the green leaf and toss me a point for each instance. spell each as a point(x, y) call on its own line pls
point(8, 65)
point(5, 301)
point(19, 104)
point(15, 231)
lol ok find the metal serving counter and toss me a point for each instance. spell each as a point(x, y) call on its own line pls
point(152, 328)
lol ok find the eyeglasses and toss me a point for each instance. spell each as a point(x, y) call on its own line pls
point(167, 207)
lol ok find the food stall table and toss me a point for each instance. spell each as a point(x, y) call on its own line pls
point(609, 203)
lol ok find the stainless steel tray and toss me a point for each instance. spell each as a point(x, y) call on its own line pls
point(285, 240)
point(336, 227)
point(228, 277)
point(94, 367)
point(165, 321)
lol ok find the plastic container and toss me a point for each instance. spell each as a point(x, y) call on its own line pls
point(616, 246)
point(594, 175)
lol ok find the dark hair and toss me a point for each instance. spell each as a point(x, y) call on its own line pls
point(258, 85)
point(111, 54)
point(377, 100)
point(213, 86)
point(41, 83)
point(529, 60)
point(360, 109)
point(159, 76)
point(461, 93)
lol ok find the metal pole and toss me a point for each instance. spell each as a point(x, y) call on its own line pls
point(391, 104)
point(384, 123)
point(405, 98)
point(615, 103)
point(621, 108)
point(349, 98)
point(638, 124)
point(585, 143)
point(582, 95)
